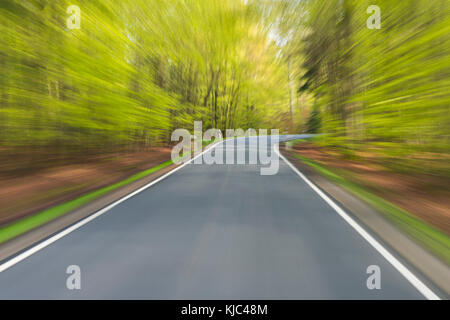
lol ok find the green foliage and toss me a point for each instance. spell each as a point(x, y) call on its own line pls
point(382, 90)
point(314, 120)
point(136, 70)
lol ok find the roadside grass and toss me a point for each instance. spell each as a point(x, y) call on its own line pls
point(433, 239)
point(19, 227)
point(28, 223)
point(207, 142)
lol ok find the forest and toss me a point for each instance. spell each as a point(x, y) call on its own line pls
point(135, 70)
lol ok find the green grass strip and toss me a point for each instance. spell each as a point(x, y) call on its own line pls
point(26, 224)
point(432, 238)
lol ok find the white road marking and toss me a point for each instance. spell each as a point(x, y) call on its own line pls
point(419, 285)
point(59, 235)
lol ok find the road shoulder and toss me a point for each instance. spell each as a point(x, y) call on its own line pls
point(28, 239)
point(421, 259)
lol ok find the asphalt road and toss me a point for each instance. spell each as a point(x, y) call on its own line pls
point(212, 232)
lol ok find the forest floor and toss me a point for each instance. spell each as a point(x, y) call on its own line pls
point(425, 196)
point(22, 195)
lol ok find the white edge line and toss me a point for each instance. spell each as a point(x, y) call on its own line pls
point(59, 235)
point(419, 285)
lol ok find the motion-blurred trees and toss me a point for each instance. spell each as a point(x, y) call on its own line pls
point(384, 91)
point(136, 70)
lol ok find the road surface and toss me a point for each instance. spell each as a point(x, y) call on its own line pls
point(212, 232)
